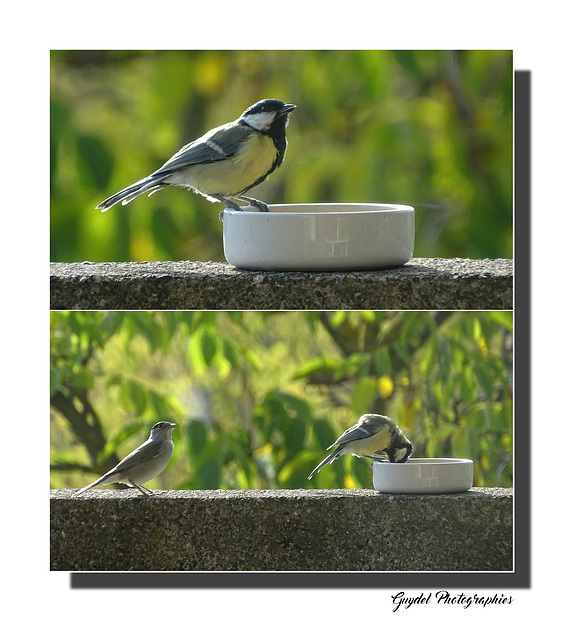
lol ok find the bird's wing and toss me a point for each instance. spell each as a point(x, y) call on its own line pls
point(147, 451)
point(357, 432)
point(218, 144)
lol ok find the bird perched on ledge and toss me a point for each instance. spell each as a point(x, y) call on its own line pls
point(143, 464)
point(225, 162)
point(373, 436)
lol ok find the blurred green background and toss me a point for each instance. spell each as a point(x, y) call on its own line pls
point(259, 396)
point(432, 129)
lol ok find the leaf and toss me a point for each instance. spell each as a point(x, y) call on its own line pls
point(230, 353)
point(208, 473)
point(361, 468)
point(504, 318)
point(119, 438)
point(84, 379)
point(95, 161)
point(56, 376)
point(460, 443)
point(320, 369)
point(355, 364)
point(112, 321)
point(324, 434)
point(138, 397)
point(338, 317)
point(294, 435)
point(195, 355)
point(435, 446)
point(300, 407)
point(208, 346)
point(382, 361)
point(363, 395)
point(196, 435)
point(144, 323)
point(294, 473)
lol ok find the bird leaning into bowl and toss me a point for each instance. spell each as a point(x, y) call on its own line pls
point(225, 162)
point(144, 463)
point(373, 436)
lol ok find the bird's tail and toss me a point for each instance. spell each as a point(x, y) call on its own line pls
point(152, 183)
point(89, 486)
point(330, 458)
point(105, 479)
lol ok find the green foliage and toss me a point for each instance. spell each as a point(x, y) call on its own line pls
point(259, 396)
point(433, 129)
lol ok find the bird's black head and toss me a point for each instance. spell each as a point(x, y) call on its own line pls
point(399, 451)
point(162, 426)
point(162, 431)
point(267, 114)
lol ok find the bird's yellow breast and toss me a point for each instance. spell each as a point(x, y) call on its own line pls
point(234, 175)
point(368, 446)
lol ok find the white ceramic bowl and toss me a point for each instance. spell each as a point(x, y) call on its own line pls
point(319, 237)
point(423, 475)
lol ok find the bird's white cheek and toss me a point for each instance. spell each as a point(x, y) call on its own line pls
point(260, 121)
point(400, 454)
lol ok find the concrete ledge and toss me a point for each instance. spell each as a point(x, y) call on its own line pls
point(281, 530)
point(423, 283)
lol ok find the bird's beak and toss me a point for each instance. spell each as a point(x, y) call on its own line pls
point(287, 109)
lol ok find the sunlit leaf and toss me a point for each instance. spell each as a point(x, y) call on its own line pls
point(317, 370)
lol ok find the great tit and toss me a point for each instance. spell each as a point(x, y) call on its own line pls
point(225, 162)
point(373, 436)
point(144, 463)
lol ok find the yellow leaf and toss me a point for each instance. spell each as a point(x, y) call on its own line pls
point(264, 450)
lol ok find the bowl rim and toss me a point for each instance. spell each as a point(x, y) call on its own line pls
point(356, 208)
point(424, 461)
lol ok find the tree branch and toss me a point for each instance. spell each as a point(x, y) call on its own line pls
point(85, 424)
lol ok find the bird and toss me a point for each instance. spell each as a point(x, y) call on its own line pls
point(373, 436)
point(225, 162)
point(143, 464)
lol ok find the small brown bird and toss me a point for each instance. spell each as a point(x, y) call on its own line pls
point(143, 464)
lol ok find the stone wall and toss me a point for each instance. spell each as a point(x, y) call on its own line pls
point(281, 530)
point(423, 283)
